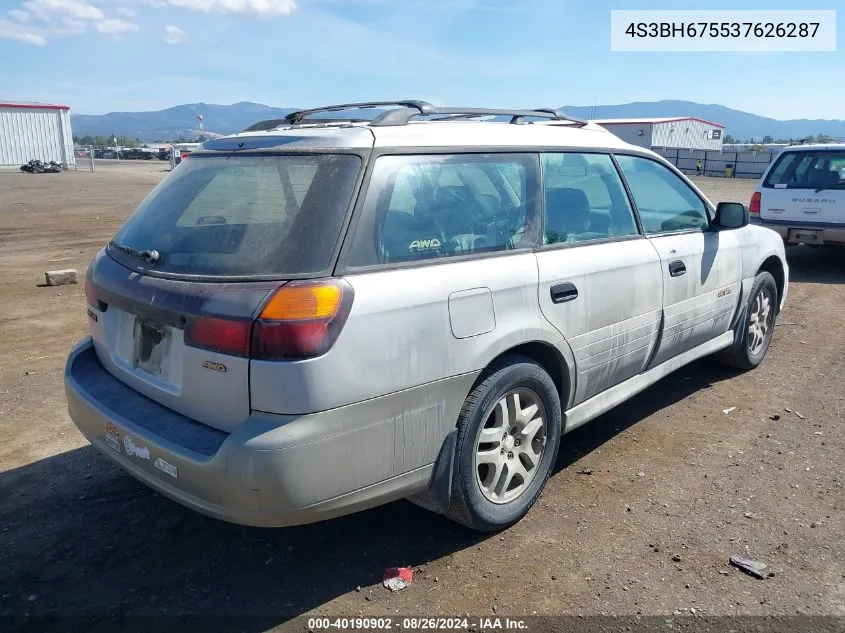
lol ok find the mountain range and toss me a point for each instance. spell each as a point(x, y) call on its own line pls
point(174, 122)
point(181, 120)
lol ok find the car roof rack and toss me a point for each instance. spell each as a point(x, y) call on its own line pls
point(560, 115)
point(266, 125)
point(517, 116)
point(405, 112)
point(402, 116)
point(807, 141)
point(420, 107)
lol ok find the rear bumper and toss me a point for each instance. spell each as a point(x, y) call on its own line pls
point(273, 470)
point(822, 233)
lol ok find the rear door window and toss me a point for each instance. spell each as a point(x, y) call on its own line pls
point(807, 170)
point(584, 199)
point(437, 206)
point(223, 215)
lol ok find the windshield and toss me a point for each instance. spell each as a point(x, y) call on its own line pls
point(224, 215)
point(808, 170)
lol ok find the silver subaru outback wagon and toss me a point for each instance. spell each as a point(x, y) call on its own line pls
point(323, 314)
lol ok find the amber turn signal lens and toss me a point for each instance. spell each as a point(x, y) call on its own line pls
point(301, 301)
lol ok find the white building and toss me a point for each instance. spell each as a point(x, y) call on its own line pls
point(35, 130)
point(677, 132)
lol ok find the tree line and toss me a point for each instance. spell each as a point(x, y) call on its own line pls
point(113, 140)
point(768, 140)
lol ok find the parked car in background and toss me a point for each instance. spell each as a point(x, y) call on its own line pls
point(321, 316)
point(801, 195)
point(137, 153)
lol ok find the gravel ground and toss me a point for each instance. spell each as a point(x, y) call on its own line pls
point(646, 505)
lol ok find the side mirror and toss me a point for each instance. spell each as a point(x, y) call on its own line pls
point(731, 215)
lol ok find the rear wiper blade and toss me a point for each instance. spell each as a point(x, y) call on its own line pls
point(151, 256)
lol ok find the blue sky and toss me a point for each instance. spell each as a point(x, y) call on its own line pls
point(107, 55)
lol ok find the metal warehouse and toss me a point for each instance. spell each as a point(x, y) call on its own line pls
point(677, 132)
point(35, 130)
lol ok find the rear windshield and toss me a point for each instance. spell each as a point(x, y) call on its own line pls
point(224, 215)
point(807, 170)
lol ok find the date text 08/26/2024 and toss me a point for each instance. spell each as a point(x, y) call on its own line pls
point(417, 624)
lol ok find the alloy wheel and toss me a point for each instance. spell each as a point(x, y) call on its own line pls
point(760, 321)
point(510, 446)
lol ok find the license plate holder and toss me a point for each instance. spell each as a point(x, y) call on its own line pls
point(805, 236)
point(151, 346)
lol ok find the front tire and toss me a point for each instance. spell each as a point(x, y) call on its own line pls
point(748, 350)
point(508, 435)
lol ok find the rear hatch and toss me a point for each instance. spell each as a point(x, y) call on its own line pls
point(805, 187)
point(174, 298)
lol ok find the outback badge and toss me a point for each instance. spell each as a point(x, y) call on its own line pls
point(214, 366)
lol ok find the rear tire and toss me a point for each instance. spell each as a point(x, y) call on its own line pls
point(508, 435)
point(758, 326)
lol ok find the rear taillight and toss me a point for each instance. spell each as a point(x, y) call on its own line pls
point(299, 320)
point(219, 335)
point(90, 293)
point(302, 320)
point(184, 156)
point(754, 207)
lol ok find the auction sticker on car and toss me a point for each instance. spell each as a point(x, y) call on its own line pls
point(141, 452)
point(163, 466)
point(112, 436)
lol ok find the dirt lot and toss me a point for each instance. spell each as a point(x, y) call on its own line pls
point(677, 484)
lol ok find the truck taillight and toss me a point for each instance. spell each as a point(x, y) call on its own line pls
point(754, 207)
point(301, 319)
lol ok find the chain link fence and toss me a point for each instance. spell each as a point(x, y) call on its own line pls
point(728, 164)
point(722, 164)
point(88, 158)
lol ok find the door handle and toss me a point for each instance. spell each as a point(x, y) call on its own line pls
point(677, 268)
point(564, 292)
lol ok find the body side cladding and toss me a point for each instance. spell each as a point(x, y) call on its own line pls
point(437, 495)
point(595, 406)
point(653, 353)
